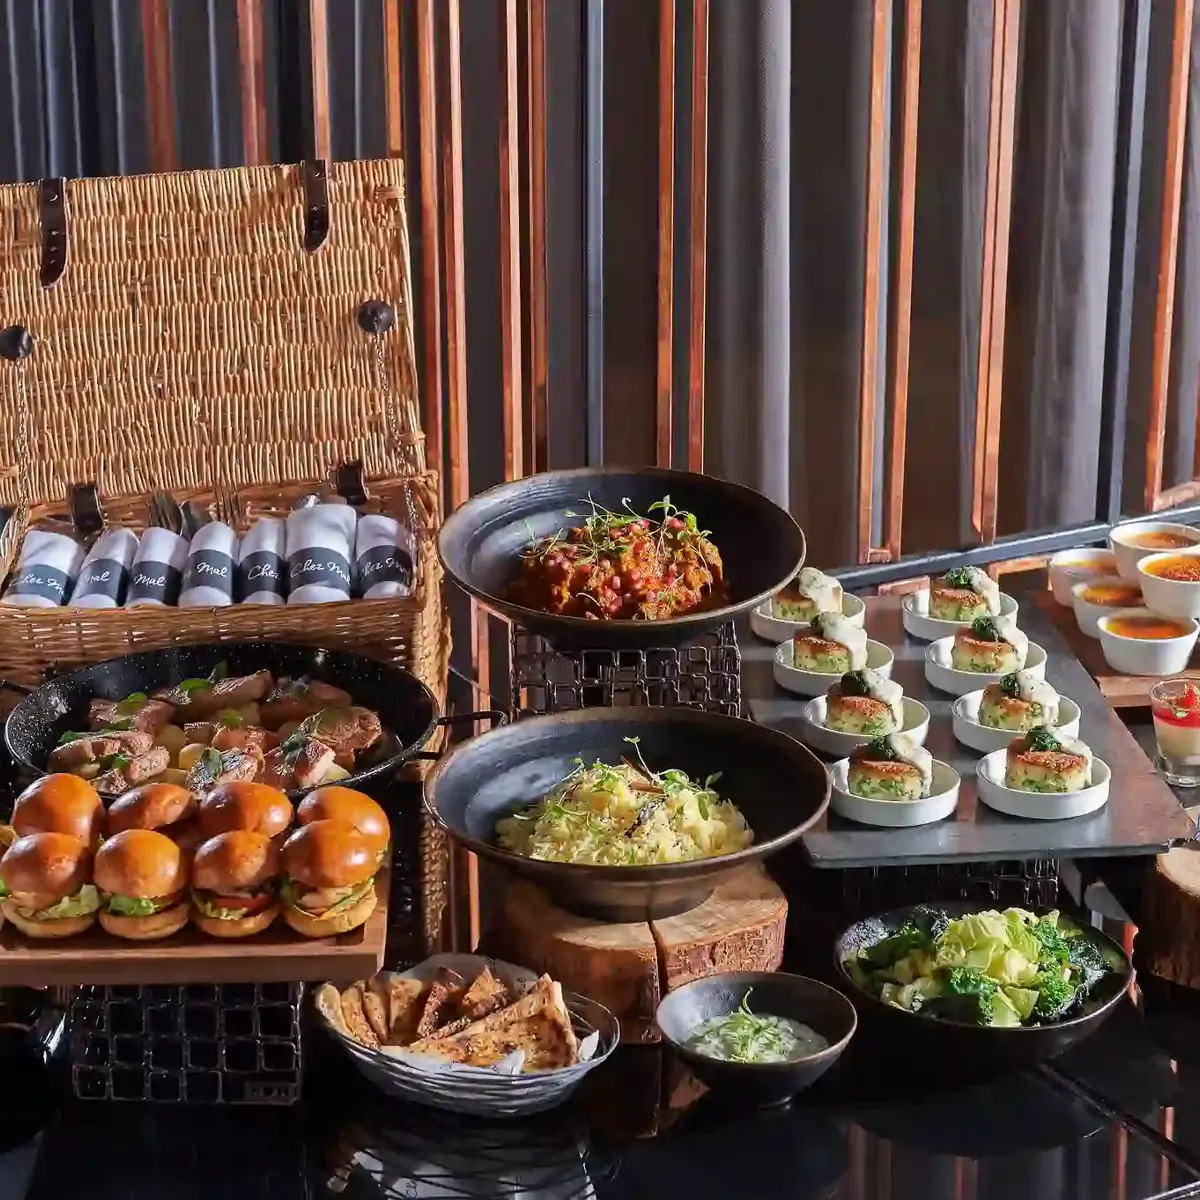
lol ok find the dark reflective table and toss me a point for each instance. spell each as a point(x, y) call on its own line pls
point(1119, 1117)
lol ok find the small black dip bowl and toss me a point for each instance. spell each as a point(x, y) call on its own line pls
point(814, 1004)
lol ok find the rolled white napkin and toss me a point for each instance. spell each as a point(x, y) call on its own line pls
point(262, 568)
point(157, 575)
point(105, 571)
point(319, 541)
point(384, 557)
point(46, 570)
point(208, 576)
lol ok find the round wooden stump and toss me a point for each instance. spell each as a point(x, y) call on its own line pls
point(1169, 934)
point(630, 967)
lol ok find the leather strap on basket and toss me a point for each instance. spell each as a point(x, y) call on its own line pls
point(16, 346)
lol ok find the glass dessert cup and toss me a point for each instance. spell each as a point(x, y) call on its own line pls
point(1175, 705)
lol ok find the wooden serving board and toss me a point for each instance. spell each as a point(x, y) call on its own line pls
point(1121, 691)
point(629, 967)
point(277, 955)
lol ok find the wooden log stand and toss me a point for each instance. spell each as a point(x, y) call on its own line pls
point(1169, 933)
point(630, 967)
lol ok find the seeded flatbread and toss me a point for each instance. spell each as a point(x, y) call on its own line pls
point(447, 987)
point(376, 1011)
point(486, 995)
point(538, 1024)
point(329, 1004)
point(405, 998)
point(356, 1018)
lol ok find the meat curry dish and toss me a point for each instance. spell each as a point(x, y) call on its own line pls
point(623, 566)
point(290, 733)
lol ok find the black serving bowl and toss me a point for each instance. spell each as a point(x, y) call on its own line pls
point(480, 545)
point(779, 785)
point(794, 996)
point(960, 1050)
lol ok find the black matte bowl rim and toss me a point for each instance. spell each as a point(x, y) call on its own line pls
point(961, 908)
point(750, 978)
point(527, 729)
point(405, 752)
point(705, 618)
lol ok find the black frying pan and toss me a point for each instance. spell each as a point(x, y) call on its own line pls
point(480, 545)
point(406, 707)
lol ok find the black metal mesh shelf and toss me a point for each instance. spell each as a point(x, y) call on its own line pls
point(706, 674)
point(199, 1044)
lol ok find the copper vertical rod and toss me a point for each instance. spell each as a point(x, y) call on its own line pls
point(873, 267)
point(393, 67)
point(318, 35)
point(255, 144)
point(666, 231)
point(997, 216)
point(539, 356)
point(431, 267)
point(160, 95)
point(902, 296)
point(1168, 250)
point(698, 251)
point(510, 246)
point(456, 377)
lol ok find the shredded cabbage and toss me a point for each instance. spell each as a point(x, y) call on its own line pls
point(626, 816)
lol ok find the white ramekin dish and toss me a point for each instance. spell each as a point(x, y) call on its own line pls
point(914, 612)
point(817, 683)
point(945, 678)
point(833, 741)
point(1169, 597)
point(1128, 556)
point(1069, 567)
point(1147, 656)
point(1087, 614)
point(1039, 806)
point(967, 729)
point(775, 629)
point(895, 814)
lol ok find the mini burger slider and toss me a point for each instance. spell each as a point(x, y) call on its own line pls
point(60, 804)
point(234, 876)
point(335, 803)
point(142, 879)
point(255, 807)
point(329, 883)
point(45, 881)
point(163, 806)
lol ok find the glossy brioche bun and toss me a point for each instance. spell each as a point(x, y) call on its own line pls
point(141, 863)
point(235, 861)
point(145, 929)
point(238, 926)
point(151, 806)
point(241, 805)
point(325, 854)
point(336, 803)
point(341, 922)
point(60, 803)
point(39, 870)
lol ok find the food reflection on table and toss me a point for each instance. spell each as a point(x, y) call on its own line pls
point(289, 733)
point(1003, 969)
point(627, 815)
point(622, 565)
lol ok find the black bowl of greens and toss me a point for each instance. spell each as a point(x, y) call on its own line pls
point(971, 991)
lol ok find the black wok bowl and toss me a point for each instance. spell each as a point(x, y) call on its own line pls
point(958, 1049)
point(481, 542)
point(406, 707)
point(794, 996)
point(779, 785)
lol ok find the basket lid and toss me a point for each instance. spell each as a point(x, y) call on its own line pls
point(193, 342)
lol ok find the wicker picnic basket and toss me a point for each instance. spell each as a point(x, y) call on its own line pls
point(205, 336)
